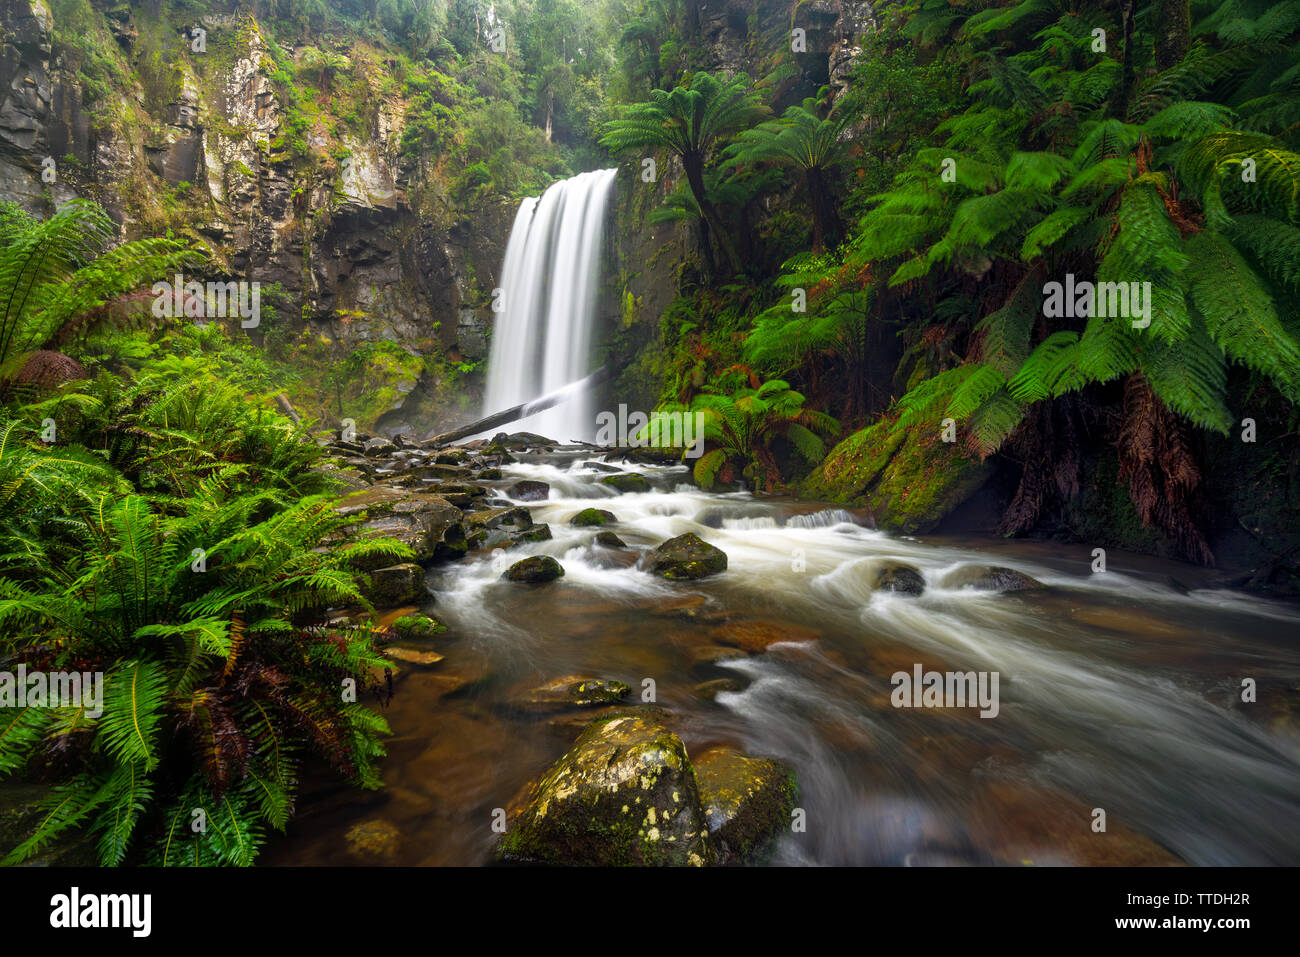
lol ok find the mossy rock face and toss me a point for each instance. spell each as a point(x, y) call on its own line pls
point(898, 578)
point(687, 557)
point(990, 578)
point(417, 627)
point(627, 482)
point(908, 478)
point(747, 802)
point(397, 585)
point(624, 794)
point(538, 568)
point(593, 516)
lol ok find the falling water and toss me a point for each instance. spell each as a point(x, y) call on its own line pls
point(542, 337)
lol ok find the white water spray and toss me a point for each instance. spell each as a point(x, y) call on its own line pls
point(542, 339)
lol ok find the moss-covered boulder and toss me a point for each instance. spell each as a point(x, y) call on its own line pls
point(417, 627)
point(898, 578)
point(627, 482)
point(687, 557)
point(908, 478)
point(990, 578)
point(574, 691)
point(395, 585)
point(537, 568)
point(625, 793)
point(592, 516)
point(747, 802)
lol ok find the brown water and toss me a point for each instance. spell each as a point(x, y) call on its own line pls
point(1118, 691)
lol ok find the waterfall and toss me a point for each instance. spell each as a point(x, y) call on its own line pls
point(549, 283)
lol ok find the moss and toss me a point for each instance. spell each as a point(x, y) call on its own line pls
point(417, 627)
point(908, 478)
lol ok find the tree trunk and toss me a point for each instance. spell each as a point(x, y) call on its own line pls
point(1173, 32)
point(826, 218)
point(1119, 100)
point(695, 178)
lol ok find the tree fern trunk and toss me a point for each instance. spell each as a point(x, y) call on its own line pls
point(1173, 32)
point(695, 178)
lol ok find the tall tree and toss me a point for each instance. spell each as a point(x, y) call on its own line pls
point(689, 121)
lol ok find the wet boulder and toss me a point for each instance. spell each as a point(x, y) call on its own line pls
point(624, 794)
point(432, 526)
point(627, 482)
point(592, 516)
point(537, 568)
point(990, 578)
point(687, 557)
point(609, 540)
point(529, 491)
point(396, 585)
point(899, 578)
point(574, 691)
point(747, 802)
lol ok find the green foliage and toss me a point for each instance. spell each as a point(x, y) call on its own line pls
point(170, 541)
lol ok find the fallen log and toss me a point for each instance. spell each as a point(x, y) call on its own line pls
point(287, 408)
point(522, 411)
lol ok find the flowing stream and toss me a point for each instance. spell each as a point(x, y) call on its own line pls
point(1119, 690)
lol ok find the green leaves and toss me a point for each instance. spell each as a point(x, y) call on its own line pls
point(134, 695)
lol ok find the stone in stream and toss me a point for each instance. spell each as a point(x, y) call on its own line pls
point(747, 802)
point(429, 524)
point(515, 515)
point(687, 557)
point(756, 635)
point(396, 585)
point(374, 841)
point(379, 446)
point(413, 656)
point(417, 627)
point(623, 794)
point(537, 568)
point(711, 689)
point(609, 540)
point(534, 533)
point(574, 691)
point(627, 482)
point(529, 491)
point(592, 516)
point(899, 578)
point(488, 474)
point(990, 578)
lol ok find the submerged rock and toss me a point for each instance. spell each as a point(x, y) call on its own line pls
point(687, 557)
point(374, 841)
point(747, 802)
point(592, 516)
point(623, 794)
point(627, 482)
point(757, 635)
point(900, 578)
point(538, 568)
point(990, 578)
point(711, 689)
